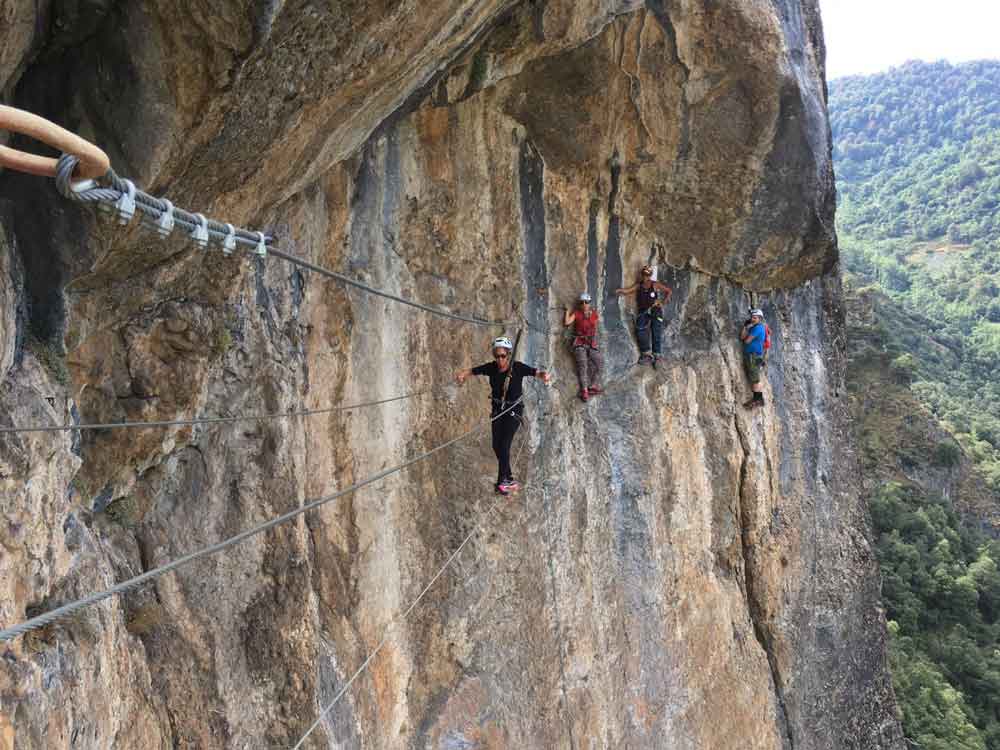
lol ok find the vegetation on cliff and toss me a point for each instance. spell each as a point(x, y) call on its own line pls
point(918, 160)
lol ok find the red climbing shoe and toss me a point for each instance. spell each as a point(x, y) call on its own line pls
point(584, 395)
point(594, 390)
point(508, 486)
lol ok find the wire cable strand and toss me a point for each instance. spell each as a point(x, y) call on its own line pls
point(396, 621)
point(399, 619)
point(68, 609)
point(229, 237)
point(210, 420)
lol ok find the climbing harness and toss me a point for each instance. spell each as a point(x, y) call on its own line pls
point(212, 420)
point(510, 367)
point(68, 609)
point(585, 339)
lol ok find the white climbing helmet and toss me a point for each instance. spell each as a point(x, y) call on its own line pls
point(585, 297)
point(757, 312)
point(502, 343)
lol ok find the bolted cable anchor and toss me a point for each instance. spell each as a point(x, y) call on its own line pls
point(229, 241)
point(261, 245)
point(200, 233)
point(165, 224)
point(125, 206)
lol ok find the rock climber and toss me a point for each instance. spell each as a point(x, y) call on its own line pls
point(505, 384)
point(588, 358)
point(649, 320)
point(753, 334)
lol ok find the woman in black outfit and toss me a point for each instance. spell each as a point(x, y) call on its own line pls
point(504, 374)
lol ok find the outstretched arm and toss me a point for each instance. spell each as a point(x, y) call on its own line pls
point(462, 375)
point(626, 290)
point(544, 375)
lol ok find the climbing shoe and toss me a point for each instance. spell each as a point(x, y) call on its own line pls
point(752, 404)
point(645, 358)
point(507, 486)
point(656, 359)
point(594, 390)
point(584, 395)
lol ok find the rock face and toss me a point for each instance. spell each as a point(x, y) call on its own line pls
point(677, 573)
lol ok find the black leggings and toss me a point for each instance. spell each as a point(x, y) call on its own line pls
point(504, 430)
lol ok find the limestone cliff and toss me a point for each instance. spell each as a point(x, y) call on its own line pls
point(678, 573)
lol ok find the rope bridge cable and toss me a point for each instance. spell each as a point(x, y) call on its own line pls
point(68, 609)
point(211, 420)
point(481, 524)
point(162, 216)
point(399, 619)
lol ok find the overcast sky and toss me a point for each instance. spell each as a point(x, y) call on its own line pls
point(867, 36)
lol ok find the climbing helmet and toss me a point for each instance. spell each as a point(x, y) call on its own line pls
point(502, 343)
point(585, 297)
point(756, 311)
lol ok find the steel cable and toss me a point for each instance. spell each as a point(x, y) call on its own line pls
point(210, 420)
point(402, 618)
point(90, 192)
point(68, 609)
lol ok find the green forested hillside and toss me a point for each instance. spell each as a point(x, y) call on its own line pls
point(918, 166)
point(917, 153)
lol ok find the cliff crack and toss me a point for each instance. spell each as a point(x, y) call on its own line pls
point(656, 7)
point(754, 608)
point(634, 83)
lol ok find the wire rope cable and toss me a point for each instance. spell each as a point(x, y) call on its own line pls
point(396, 621)
point(389, 630)
point(162, 216)
point(68, 609)
point(211, 420)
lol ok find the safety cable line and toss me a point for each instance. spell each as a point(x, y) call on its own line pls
point(162, 216)
point(67, 609)
point(211, 420)
point(399, 619)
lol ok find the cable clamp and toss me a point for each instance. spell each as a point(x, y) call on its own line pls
point(125, 206)
point(200, 233)
point(165, 224)
point(229, 241)
point(261, 245)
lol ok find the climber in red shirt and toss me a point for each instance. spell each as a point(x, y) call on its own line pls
point(588, 358)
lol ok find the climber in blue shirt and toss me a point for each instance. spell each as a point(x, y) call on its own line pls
point(754, 335)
